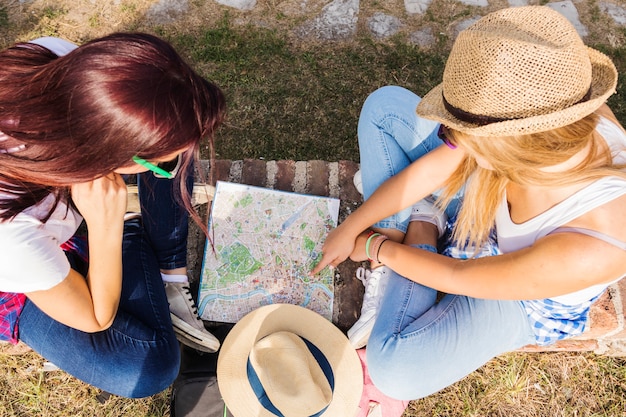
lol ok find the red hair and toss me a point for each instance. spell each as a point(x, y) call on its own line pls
point(82, 115)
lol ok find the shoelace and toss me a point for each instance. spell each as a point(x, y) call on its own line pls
point(371, 282)
point(362, 275)
point(187, 291)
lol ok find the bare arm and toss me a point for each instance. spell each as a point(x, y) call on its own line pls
point(90, 303)
point(415, 182)
point(555, 265)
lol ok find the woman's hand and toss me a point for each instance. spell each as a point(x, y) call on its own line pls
point(101, 202)
point(339, 244)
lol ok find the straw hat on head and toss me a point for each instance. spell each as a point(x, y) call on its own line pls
point(286, 360)
point(516, 71)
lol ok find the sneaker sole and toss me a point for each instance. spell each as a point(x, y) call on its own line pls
point(359, 336)
point(186, 341)
point(192, 345)
point(186, 332)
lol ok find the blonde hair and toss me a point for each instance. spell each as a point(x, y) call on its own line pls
point(520, 159)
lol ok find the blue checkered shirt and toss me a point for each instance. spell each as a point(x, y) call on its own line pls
point(551, 321)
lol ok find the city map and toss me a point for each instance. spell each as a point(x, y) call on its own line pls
point(265, 242)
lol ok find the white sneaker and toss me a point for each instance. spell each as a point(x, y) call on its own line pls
point(358, 183)
point(130, 215)
point(375, 283)
point(426, 211)
point(189, 328)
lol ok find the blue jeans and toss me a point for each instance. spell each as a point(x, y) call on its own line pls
point(138, 355)
point(420, 344)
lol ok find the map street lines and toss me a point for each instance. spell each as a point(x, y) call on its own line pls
point(266, 243)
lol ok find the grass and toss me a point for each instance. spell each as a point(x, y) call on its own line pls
point(27, 390)
point(300, 100)
point(289, 102)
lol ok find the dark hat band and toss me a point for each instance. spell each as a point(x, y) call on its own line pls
point(259, 390)
point(482, 120)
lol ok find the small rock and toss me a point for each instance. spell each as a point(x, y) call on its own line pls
point(423, 38)
point(416, 6)
point(567, 9)
point(337, 21)
point(49, 367)
point(480, 3)
point(238, 4)
point(465, 24)
point(166, 11)
point(616, 12)
point(382, 25)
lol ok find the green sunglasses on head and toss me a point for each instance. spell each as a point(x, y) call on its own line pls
point(167, 169)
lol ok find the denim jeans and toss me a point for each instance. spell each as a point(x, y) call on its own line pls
point(138, 355)
point(420, 343)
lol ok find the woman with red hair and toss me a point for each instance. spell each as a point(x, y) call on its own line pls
point(73, 122)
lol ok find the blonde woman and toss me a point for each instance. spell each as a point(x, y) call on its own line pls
point(531, 149)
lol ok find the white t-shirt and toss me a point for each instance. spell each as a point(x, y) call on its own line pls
point(32, 257)
point(30, 253)
point(58, 46)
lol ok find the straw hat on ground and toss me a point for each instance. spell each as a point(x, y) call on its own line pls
point(516, 71)
point(286, 360)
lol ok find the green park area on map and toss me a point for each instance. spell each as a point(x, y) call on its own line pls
point(266, 242)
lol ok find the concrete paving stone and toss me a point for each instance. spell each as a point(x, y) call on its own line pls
point(464, 24)
point(618, 297)
point(568, 9)
point(383, 25)
point(617, 13)
point(222, 170)
point(337, 20)
point(285, 174)
point(300, 176)
point(570, 345)
point(254, 173)
point(603, 317)
point(271, 168)
point(416, 6)
point(348, 191)
point(423, 38)
point(238, 4)
point(317, 178)
point(612, 348)
point(478, 3)
point(236, 171)
point(167, 11)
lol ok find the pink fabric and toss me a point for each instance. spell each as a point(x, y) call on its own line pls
point(389, 407)
point(11, 305)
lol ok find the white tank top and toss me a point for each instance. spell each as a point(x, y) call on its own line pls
point(512, 236)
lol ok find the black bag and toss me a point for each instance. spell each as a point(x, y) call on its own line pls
point(195, 392)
